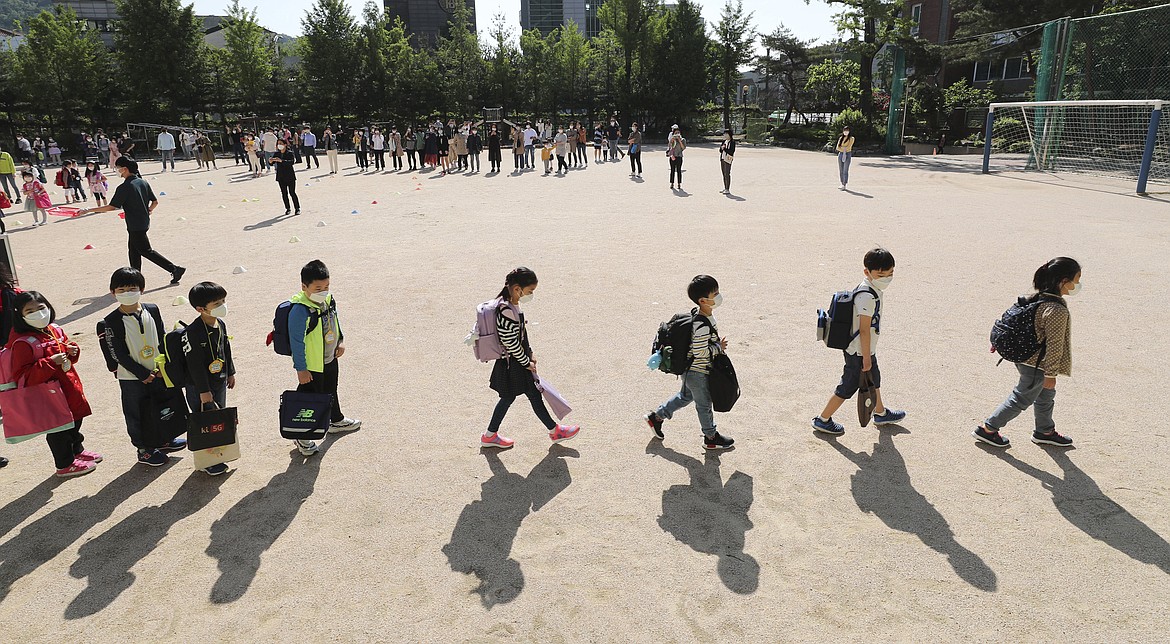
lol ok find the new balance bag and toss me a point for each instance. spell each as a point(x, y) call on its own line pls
point(722, 383)
point(163, 415)
point(33, 411)
point(211, 428)
point(303, 415)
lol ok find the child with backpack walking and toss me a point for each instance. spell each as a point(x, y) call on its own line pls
point(1036, 335)
point(134, 333)
point(210, 368)
point(861, 353)
point(37, 199)
point(97, 183)
point(42, 352)
point(74, 182)
point(317, 342)
point(514, 373)
point(695, 366)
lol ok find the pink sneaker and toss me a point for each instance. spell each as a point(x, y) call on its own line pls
point(77, 469)
point(88, 456)
point(563, 433)
point(496, 441)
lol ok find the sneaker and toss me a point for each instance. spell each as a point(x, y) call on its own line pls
point(298, 211)
point(307, 448)
point(86, 455)
point(175, 445)
point(495, 440)
point(655, 424)
point(287, 211)
point(828, 426)
point(216, 470)
point(3, 461)
point(891, 417)
point(1051, 438)
point(76, 469)
point(178, 274)
point(989, 437)
point(562, 433)
point(345, 425)
point(153, 458)
point(717, 441)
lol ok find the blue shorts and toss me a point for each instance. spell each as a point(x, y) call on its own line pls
point(851, 376)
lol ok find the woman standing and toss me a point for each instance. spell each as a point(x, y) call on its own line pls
point(444, 152)
point(635, 142)
point(408, 142)
point(112, 148)
point(517, 148)
point(494, 155)
point(674, 149)
point(250, 146)
point(474, 148)
point(286, 177)
point(396, 147)
point(726, 157)
point(378, 143)
point(207, 152)
point(329, 140)
point(431, 147)
point(844, 156)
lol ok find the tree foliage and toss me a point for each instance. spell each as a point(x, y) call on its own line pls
point(734, 37)
point(787, 60)
point(328, 49)
point(61, 66)
point(249, 56)
point(159, 46)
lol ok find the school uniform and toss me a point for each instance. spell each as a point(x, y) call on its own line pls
point(209, 363)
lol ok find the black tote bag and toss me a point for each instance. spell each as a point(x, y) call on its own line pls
point(211, 428)
point(723, 383)
point(304, 415)
point(163, 415)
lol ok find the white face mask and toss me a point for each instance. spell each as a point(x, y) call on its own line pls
point(882, 283)
point(717, 301)
point(525, 299)
point(219, 312)
point(1076, 288)
point(129, 298)
point(38, 319)
point(319, 298)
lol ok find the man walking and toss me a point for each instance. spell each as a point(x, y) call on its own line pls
point(136, 199)
point(166, 147)
point(309, 147)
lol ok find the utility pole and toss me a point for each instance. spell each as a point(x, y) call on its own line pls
point(767, 78)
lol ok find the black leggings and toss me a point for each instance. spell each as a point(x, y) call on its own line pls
point(676, 167)
point(287, 189)
point(66, 445)
point(726, 175)
point(636, 162)
point(561, 165)
point(397, 160)
point(379, 159)
point(537, 406)
point(410, 158)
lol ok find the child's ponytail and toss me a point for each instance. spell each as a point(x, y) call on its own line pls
point(522, 277)
point(1050, 276)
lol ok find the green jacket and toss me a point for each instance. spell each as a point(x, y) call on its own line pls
point(314, 341)
point(6, 164)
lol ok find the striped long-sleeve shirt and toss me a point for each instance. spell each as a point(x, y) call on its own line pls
point(511, 333)
point(704, 343)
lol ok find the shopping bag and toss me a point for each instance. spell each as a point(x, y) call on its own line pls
point(33, 411)
point(163, 415)
point(303, 415)
point(555, 401)
point(723, 383)
point(866, 399)
point(205, 458)
point(211, 428)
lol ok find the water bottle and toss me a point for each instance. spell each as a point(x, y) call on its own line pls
point(654, 361)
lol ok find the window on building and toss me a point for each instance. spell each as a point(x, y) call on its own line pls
point(982, 71)
point(915, 19)
point(1014, 68)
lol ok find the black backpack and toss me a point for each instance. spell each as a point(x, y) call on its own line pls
point(175, 348)
point(835, 325)
point(673, 343)
point(278, 337)
point(1013, 336)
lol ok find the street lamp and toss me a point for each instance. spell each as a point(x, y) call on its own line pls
point(745, 111)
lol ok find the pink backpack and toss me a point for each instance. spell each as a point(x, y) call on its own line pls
point(484, 337)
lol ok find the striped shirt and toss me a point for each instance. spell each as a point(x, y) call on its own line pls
point(704, 343)
point(511, 332)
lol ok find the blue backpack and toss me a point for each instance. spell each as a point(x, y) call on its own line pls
point(278, 337)
point(835, 325)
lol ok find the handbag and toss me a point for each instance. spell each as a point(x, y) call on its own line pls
point(304, 415)
point(211, 428)
point(4, 201)
point(722, 383)
point(33, 411)
point(866, 398)
point(163, 415)
point(560, 408)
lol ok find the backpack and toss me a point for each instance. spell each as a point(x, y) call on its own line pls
point(485, 337)
point(60, 178)
point(673, 343)
point(172, 359)
point(7, 373)
point(278, 337)
point(835, 325)
point(1013, 336)
point(106, 342)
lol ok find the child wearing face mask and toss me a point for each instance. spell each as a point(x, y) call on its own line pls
point(861, 354)
point(317, 343)
point(515, 374)
point(135, 332)
point(210, 368)
point(1037, 386)
point(705, 345)
point(42, 352)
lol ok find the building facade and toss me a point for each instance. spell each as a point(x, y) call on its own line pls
point(934, 21)
point(426, 20)
point(99, 16)
point(548, 15)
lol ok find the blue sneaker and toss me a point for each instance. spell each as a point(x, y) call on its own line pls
point(891, 417)
point(175, 445)
point(153, 458)
point(828, 426)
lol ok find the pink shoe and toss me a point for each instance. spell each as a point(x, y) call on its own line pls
point(77, 469)
point(563, 433)
point(88, 456)
point(496, 441)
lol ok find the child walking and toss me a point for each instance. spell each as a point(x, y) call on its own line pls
point(37, 200)
point(210, 368)
point(316, 350)
point(1037, 386)
point(705, 345)
point(861, 354)
point(42, 352)
point(97, 183)
point(74, 182)
point(546, 156)
point(515, 374)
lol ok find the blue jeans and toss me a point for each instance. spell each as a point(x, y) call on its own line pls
point(694, 389)
point(843, 159)
point(1028, 392)
point(530, 156)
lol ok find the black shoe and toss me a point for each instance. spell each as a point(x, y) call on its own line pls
point(177, 274)
point(287, 211)
point(718, 441)
point(655, 424)
point(3, 461)
point(990, 438)
point(298, 211)
point(1051, 438)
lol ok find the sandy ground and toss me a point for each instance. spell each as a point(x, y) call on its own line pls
point(404, 531)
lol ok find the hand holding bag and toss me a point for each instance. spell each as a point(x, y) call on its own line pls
point(210, 428)
point(163, 415)
point(555, 401)
point(304, 415)
point(866, 399)
point(723, 383)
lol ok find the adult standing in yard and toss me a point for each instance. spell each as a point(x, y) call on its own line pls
point(613, 133)
point(309, 147)
point(206, 151)
point(726, 157)
point(166, 148)
point(8, 177)
point(285, 161)
point(635, 142)
point(135, 198)
point(844, 156)
point(675, 146)
point(494, 155)
point(329, 140)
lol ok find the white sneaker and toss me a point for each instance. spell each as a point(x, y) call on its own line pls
point(346, 425)
point(307, 448)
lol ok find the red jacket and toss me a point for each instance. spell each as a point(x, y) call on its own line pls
point(25, 365)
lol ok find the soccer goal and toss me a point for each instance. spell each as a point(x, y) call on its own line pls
point(1120, 139)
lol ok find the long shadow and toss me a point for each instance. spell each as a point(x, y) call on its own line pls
point(857, 194)
point(270, 222)
point(1080, 500)
point(251, 526)
point(481, 543)
point(18, 510)
point(882, 486)
point(92, 305)
point(106, 561)
point(711, 516)
point(42, 540)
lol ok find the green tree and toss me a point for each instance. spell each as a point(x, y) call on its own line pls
point(13, 13)
point(787, 61)
point(571, 56)
point(159, 48)
point(873, 23)
point(630, 21)
point(461, 63)
point(680, 70)
point(249, 56)
point(503, 66)
point(535, 72)
point(834, 84)
point(61, 68)
point(734, 37)
point(328, 51)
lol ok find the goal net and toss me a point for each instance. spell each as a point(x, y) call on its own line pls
point(1119, 139)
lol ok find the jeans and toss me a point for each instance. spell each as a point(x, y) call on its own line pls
point(694, 389)
point(332, 154)
point(326, 383)
point(636, 162)
point(66, 445)
point(474, 158)
point(167, 156)
point(287, 189)
point(676, 167)
point(218, 394)
point(726, 175)
point(9, 181)
point(139, 247)
point(1028, 392)
point(529, 156)
point(309, 154)
point(537, 406)
point(843, 159)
